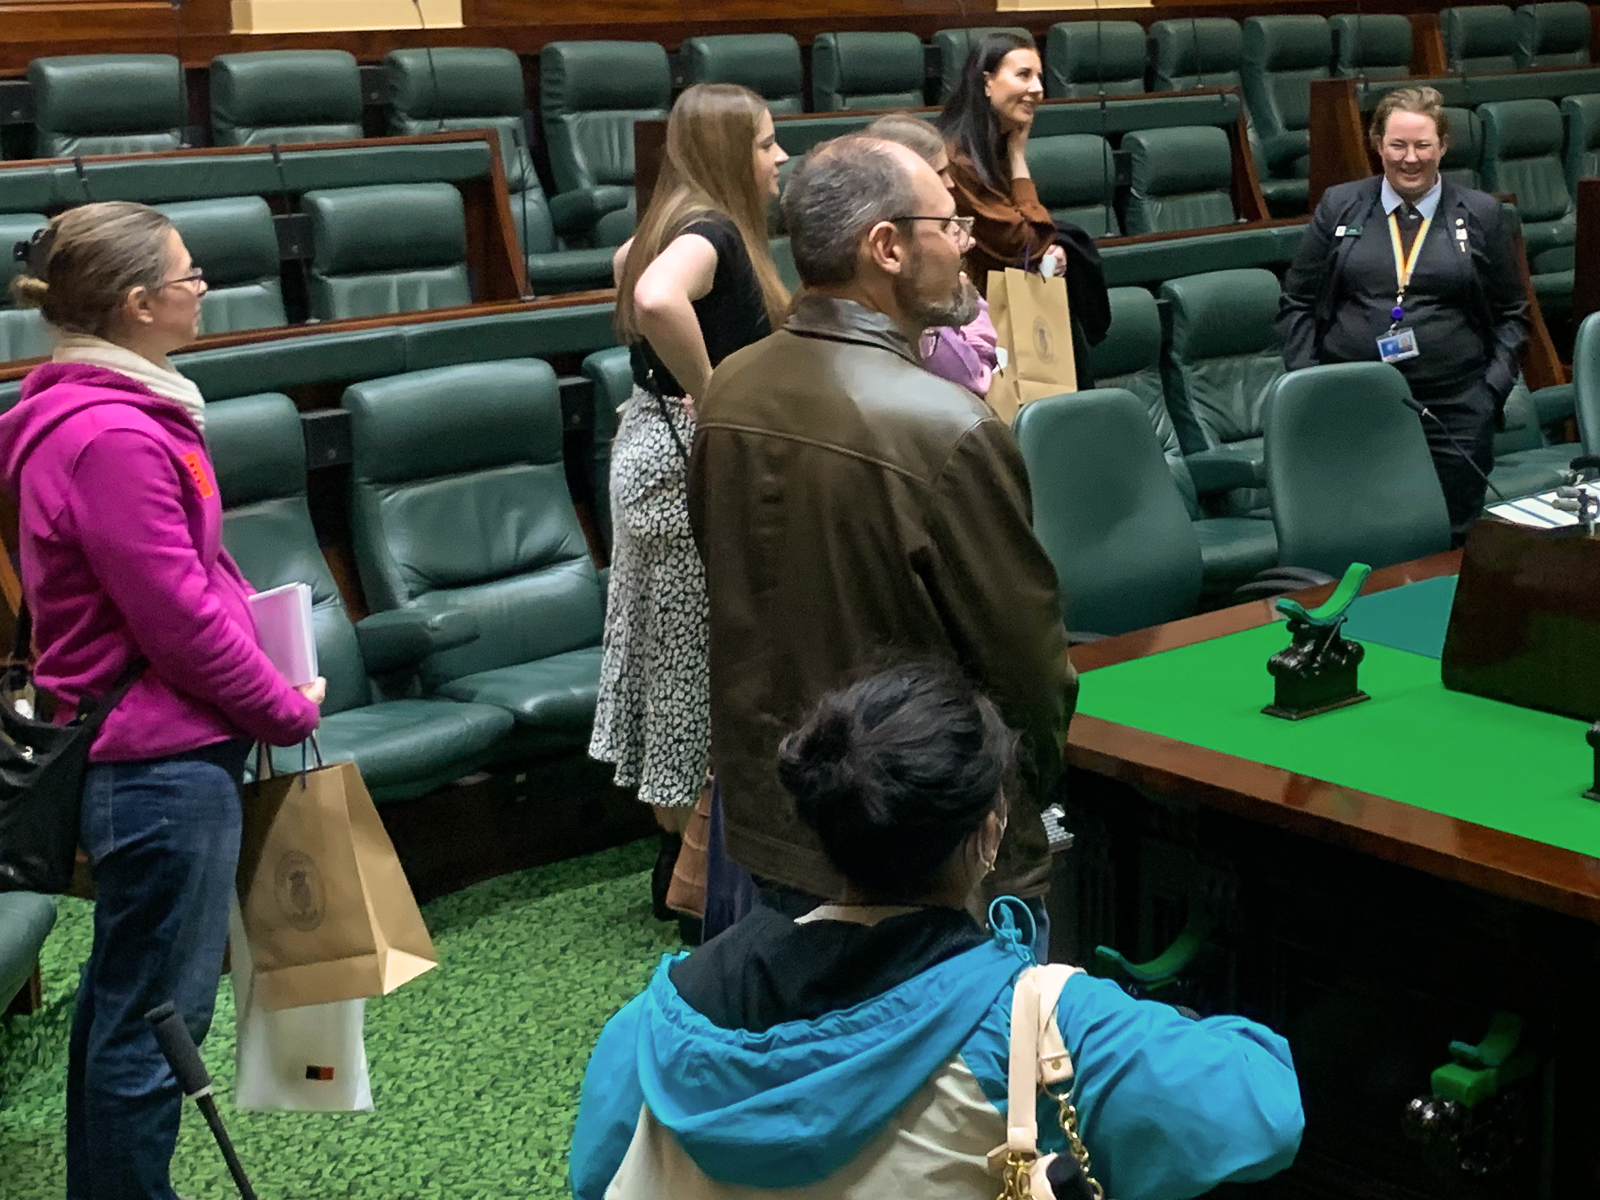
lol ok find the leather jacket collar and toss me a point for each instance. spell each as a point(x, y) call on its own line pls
point(816, 315)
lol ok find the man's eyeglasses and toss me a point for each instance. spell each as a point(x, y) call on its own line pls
point(194, 276)
point(961, 227)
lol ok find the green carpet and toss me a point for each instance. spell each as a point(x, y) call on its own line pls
point(1512, 769)
point(475, 1066)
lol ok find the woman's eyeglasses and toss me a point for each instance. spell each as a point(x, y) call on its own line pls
point(194, 276)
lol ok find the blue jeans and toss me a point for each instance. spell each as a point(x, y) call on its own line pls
point(162, 838)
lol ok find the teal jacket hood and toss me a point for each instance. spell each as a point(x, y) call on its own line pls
point(788, 1107)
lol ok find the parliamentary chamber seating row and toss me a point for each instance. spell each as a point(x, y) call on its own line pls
point(447, 653)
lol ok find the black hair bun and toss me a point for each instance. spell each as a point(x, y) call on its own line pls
point(816, 763)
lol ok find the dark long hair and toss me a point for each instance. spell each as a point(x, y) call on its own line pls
point(968, 121)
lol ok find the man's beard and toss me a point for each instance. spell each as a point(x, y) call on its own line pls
point(955, 310)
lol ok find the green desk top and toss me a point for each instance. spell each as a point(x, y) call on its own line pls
point(1511, 769)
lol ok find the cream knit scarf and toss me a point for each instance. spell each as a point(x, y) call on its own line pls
point(163, 381)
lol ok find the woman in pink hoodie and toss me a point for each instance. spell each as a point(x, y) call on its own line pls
point(122, 560)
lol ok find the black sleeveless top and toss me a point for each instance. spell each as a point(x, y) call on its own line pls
point(732, 314)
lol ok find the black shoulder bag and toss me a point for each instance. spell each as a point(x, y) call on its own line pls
point(41, 777)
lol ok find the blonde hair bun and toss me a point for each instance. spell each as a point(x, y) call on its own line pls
point(28, 292)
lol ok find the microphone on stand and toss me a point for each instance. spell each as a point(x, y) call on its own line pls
point(172, 1035)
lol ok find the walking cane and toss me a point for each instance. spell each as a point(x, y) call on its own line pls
point(184, 1059)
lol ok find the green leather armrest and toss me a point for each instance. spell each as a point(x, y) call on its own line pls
point(25, 921)
point(1221, 469)
point(402, 637)
point(1555, 403)
point(577, 211)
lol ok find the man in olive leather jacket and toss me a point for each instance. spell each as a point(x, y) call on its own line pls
point(854, 510)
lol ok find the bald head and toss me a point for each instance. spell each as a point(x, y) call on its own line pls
point(840, 191)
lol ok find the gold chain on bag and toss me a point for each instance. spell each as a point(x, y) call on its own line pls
point(1017, 1177)
point(1068, 1116)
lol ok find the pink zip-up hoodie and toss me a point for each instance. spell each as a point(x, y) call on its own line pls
point(121, 547)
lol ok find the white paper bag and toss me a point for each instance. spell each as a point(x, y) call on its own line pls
point(309, 1059)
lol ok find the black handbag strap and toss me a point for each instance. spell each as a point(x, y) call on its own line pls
point(21, 653)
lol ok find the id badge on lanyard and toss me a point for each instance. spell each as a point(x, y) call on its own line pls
point(1400, 343)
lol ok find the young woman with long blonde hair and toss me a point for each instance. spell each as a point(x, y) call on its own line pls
point(695, 283)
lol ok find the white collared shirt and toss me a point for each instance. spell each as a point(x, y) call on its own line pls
point(1427, 205)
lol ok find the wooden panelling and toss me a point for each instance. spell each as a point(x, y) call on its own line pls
point(39, 27)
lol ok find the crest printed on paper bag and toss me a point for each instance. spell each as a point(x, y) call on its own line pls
point(298, 888)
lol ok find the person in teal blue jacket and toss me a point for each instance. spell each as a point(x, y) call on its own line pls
point(862, 1050)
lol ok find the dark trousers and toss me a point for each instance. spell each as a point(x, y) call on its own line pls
point(1468, 418)
point(163, 844)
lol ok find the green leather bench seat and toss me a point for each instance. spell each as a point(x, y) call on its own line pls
point(1581, 115)
point(955, 46)
point(1233, 550)
point(1349, 469)
point(1371, 45)
point(590, 95)
point(1553, 35)
point(1129, 114)
point(1282, 56)
point(406, 748)
point(1204, 52)
point(1463, 161)
point(23, 333)
point(1586, 382)
point(1124, 114)
point(1182, 179)
point(26, 190)
point(1523, 463)
point(202, 177)
point(766, 63)
point(1076, 178)
point(285, 96)
point(1084, 58)
point(350, 357)
point(1522, 155)
point(484, 439)
point(866, 71)
point(294, 362)
point(403, 746)
point(387, 249)
point(1107, 512)
point(1154, 262)
point(107, 104)
point(1222, 360)
point(1479, 37)
point(1470, 90)
point(541, 333)
point(458, 87)
point(26, 919)
point(552, 700)
point(233, 242)
point(611, 373)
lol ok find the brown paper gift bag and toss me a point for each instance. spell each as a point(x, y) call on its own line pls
point(1033, 325)
point(326, 907)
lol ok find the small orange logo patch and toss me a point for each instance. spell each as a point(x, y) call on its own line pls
point(197, 469)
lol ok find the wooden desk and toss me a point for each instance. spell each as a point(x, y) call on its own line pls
point(1369, 931)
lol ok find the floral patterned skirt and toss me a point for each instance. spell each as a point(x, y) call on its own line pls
point(653, 720)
